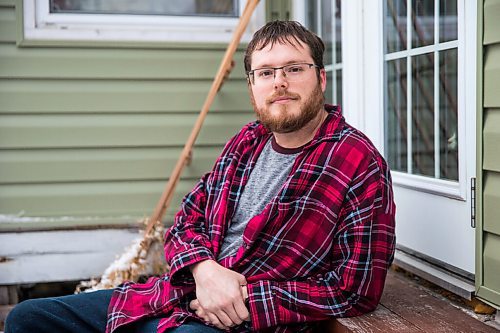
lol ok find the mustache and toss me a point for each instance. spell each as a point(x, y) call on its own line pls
point(280, 94)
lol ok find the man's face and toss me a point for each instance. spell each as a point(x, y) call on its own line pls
point(283, 106)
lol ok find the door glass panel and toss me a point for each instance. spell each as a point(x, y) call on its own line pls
point(448, 25)
point(225, 8)
point(448, 114)
point(396, 116)
point(432, 130)
point(423, 114)
point(326, 30)
point(395, 25)
point(329, 89)
point(422, 22)
point(338, 86)
point(312, 15)
point(338, 31)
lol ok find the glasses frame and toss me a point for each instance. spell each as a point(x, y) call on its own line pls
point(251, 73)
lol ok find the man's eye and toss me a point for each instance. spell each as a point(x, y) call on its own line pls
point(265, 73)
point(295, 69)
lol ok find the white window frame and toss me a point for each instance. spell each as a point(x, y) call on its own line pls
point(40, 24)
point(466, 100)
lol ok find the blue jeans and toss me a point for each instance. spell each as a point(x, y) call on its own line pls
point(82, 313)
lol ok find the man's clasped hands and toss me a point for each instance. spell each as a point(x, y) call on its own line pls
point(220, 295)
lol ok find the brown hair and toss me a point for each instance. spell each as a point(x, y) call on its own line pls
point(290, 32)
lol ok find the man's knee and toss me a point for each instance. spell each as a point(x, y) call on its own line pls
point(23, 316)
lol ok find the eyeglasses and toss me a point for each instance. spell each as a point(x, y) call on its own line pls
point(292, 72)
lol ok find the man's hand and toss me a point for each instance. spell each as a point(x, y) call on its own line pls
point(220, 295)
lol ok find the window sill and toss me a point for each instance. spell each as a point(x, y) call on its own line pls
point(447, 188)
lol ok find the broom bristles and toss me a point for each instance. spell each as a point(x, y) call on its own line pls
point(144, 257)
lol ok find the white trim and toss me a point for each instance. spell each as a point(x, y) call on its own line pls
point(467, 70)
point(334, 67)
point(421, 50)
point(409, 95)
point(447, 188)
point(299, 11)
point(40, 24)
point(435, 274)
point(373, 105)
point(352, 59)
point(437, 136)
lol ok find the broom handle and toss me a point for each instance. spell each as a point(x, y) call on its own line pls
point(168, 192)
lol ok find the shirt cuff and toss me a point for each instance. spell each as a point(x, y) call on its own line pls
point(179, 272)
point(262, 305)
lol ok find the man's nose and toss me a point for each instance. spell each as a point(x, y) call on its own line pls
point(280, 80)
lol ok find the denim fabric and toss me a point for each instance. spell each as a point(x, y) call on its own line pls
point(82, 313)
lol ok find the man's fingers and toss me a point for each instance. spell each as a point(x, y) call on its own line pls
point(214, 320)
point(241, 311)
point(225, 319)
point(194, 304)
point(242, 280)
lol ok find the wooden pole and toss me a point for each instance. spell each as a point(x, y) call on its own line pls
point(225, 65)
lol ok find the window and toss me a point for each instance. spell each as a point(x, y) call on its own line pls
point(127, 20)
point(324, 17)
point(147, 7)
point(421, 105)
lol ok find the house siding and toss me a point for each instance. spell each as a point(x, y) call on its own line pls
point(90, 133)
point(489, 161)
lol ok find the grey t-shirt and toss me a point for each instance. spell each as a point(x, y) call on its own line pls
point(265, 181)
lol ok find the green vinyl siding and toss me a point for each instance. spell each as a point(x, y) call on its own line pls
point(90, 133)
point(488, 173)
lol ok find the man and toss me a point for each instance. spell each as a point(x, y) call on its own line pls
point(293, 225)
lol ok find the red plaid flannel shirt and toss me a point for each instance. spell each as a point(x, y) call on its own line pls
point(321, 248)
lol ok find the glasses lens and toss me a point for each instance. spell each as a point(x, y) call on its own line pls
point(295, 72)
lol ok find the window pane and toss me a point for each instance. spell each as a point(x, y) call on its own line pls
point(338, 32)
point(448, 26)
point(423, 114)
point(326, 30)
point(226, 8)
point(422, 23)
point(448, 110)
point(395, 25)
point(396, 116)
point(329, 88)
point(338, 87)
point(311, 15)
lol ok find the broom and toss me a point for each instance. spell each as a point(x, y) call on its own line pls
point(145, 256)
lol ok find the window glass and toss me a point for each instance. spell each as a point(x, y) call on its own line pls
point(338, 86)
point(144, 7)
point(338, 31)
point(425, 74)
point(329, 90)
point(423, 114)
point(397, 120)
point(326, 30)
point(448, 28)
point(422, 22)
point(448, 113)
point(395, 25)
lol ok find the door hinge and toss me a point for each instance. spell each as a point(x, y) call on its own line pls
point(473, 202)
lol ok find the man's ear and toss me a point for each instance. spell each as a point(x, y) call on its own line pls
point(322, 79)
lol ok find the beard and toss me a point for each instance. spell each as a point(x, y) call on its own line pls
point(287, 122)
